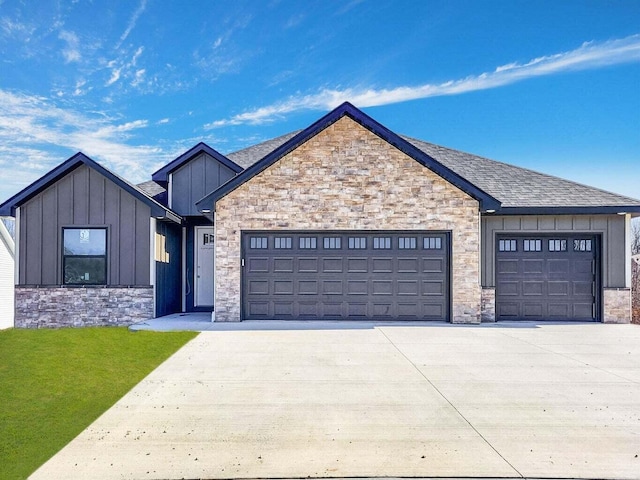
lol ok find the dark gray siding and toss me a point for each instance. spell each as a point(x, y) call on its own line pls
point(84, 198)
point(198, 178)
point(610, 227)
point(169, 269)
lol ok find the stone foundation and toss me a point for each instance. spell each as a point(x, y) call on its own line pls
point(617, 305)
point(53, 307)
point(488, 305)
point(635, 292)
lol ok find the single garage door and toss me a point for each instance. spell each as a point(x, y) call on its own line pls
point(547, 277)
point(345, 275)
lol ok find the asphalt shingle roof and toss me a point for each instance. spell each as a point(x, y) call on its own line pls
point(513, 186)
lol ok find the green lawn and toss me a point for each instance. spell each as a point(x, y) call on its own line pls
point(54, 383)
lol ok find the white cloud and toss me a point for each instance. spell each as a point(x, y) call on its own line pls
point(71, 52)
point(32, 129)
point(163, 121)
point(132, 22)
point(589, 55)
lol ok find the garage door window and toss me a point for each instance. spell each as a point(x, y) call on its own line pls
point(532, 245)
point(357, 243)
point(308, 243)
point(382, 243)
point(507, 245)
point(407, 243)
point(556, 245)
point(432, 243)
point(582, 245)
point(332, 243)
point(283, 242)
point(258, 242)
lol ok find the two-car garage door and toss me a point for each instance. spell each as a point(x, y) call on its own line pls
point(346, 275)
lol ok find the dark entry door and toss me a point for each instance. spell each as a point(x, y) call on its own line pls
point(547, 277)
point(346, 275)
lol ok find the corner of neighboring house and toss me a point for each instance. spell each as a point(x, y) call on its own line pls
point(7, 252)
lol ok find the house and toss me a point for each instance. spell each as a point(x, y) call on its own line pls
point(342, 220)
point(6, 277)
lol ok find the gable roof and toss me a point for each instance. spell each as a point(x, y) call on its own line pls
point(162, 176)
point(487, 202)
point(519, 190)
point(8, 208)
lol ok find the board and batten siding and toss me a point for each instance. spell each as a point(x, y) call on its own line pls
point(84, 198)
point(611, 228)
point(195, 180)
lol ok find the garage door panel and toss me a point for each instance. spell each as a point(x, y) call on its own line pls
point(283, 265)
point(408, 287)
point(357, 287)
point(283, 287)
point(259, 287)
point(533, 288)
point(332, 265)
point(554, 280)
point(532, 266)
point(558, 288)
point(433, 265)
point(507, 266)
point(346, 275)
point(308, 265)
point(382, 287)
point(307, 287)
point(357, 265)
point(332, 287)
point(258, 265)
point(382, 265)
point(433, 287)
point(559, 311)
point(283, 309)
point(511, 288)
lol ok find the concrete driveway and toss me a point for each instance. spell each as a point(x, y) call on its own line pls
point(330, 400)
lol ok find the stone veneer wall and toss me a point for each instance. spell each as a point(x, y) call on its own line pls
point(617, 305)
point(51, 307)
point(488, 305)
point(347, 178)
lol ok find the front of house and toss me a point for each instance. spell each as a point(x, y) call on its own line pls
point(344, 220)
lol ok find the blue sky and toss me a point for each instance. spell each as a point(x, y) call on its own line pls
point(548, 85)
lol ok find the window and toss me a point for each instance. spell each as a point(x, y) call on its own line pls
point(357, 243)
point(308, 242)
point(532, 245)
point(582, 245)
point(381, 243)
point(332, 243)
point(84, 257)
point(556, 245)
point(258, 242)
point(507, 245)
point(282, 242)
point(432, 243)
point(406, 243)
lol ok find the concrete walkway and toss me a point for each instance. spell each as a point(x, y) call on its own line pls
point(507, 401)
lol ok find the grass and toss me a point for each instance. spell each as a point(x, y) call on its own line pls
point(54, 383)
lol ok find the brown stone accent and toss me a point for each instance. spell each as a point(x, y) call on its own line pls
point(347, 178)
point(488, 305)
point(617, 305)
point(52, 307)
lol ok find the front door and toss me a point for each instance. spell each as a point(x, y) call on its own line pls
point(204, 254)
